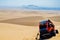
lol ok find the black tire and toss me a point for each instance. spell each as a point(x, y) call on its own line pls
point(46, 36)
point(57, 31)
point(53, 34)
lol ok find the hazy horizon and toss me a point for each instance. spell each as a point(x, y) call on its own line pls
point(46, 4)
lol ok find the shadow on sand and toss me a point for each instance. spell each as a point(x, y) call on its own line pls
point(27, 21)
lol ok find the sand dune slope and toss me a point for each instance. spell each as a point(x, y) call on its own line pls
point(20, 32)
point(17, 32)
point(28, 21)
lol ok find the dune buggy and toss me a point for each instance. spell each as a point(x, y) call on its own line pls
point(46, 30)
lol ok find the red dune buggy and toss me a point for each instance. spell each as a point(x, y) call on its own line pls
point(47, 29)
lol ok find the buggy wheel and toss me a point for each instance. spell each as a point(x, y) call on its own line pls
point(57, 31)
point(53, 34)
point(46, 36)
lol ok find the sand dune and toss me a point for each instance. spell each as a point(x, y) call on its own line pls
point(17, 32)
point(23, 25)
point(28, 21)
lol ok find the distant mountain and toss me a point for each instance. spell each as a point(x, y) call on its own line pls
point(30, 7)
point(33, 7)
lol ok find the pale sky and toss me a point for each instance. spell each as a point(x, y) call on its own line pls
point(42, 3)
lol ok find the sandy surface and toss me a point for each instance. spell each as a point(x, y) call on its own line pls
point(17, 32)
point(23, 25)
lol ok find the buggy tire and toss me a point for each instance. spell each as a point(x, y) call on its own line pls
point(57, 32)
point(46, 37)
point(53, 34)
